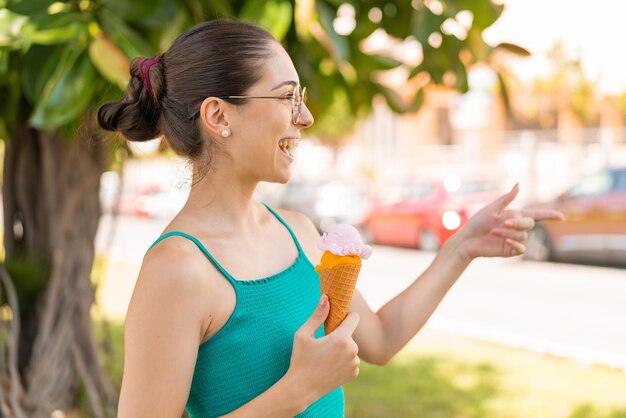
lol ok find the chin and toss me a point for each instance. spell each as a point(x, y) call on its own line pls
point(280, 178)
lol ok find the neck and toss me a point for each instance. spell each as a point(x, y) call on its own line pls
point(222, 201)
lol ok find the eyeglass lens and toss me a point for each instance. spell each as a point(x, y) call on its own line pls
point(298, 99)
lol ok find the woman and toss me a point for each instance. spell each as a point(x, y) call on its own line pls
point(227, 313)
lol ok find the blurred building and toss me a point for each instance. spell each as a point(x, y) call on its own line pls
point(471, 135)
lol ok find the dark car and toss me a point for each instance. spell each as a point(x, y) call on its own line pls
point(425, 213)
point(595, 228)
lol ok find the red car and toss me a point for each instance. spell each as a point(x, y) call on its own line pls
point(595, 226)
point(424, 214)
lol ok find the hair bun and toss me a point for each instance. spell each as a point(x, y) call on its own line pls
point(137, 115)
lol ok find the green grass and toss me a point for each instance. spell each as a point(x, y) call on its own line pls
point(111, 337)
point(424, 386)
point(441, 376)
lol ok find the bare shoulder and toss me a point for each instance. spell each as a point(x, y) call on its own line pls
point(174, 278)
point(305, 231)
point(301, 224)
point(175, 261)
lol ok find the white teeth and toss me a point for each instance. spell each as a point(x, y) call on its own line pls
point(287, 144)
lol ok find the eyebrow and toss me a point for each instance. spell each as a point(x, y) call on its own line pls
point(286, 83)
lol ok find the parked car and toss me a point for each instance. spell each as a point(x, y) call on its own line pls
point(595, 226)
point(426, 213)
point(339, 201)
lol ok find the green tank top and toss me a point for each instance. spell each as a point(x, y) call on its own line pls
point(252, 351)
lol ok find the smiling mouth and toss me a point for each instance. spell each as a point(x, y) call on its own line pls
point(287, 145)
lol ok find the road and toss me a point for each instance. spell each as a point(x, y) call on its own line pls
point(571, 311)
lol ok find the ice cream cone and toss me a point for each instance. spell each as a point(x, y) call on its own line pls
point(339, 269)
point(338, 284)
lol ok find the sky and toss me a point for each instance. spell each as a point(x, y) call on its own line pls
point(595, 30)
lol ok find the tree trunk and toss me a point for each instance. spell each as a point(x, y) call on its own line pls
point(51, 211)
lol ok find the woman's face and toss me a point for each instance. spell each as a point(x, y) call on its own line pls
point(262, 130)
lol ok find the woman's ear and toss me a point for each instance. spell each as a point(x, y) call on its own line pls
point(213, 114)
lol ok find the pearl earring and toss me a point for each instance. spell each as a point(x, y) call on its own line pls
point(225, 133)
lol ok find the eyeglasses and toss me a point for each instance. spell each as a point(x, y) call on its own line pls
point(297, 98)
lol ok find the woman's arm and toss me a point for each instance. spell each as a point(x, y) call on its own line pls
point(493, 231)
point(163, 329)
point(382, 334)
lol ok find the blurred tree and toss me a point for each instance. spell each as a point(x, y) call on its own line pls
point(59, 59)
point(566, 87)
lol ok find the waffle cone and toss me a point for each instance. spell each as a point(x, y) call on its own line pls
point(338, 283)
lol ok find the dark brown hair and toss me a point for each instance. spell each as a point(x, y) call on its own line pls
point(215, 58)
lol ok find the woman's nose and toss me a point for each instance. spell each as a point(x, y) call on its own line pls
point(306, 118)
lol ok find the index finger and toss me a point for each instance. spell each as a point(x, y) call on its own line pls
point(504, 200)
point(543, 214)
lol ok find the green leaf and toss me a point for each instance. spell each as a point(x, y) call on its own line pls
point(381, 62)
point(339, 44)
point(56, 20)
point(477, 46)
point(29, 7)
point(4, 60)
point(175, 28)
point(439, 61)
point(418, 101)
point(251, 10)
point(11, 25)
point(336, 3)
point(129, 41)
point(109, 60)
point(485, 12)
point(165, 13)
point(40, 63)
point(9, 105)
point(514, 49)
point(304, 17)
point(337, 121)
point(504, 94)
point(59, 35)
point(194, 9)
point(415, 71)
point(277, 18)
point(399, 104)
point(67, 93)
point(424, 23)
point(398, 24)
point(218, 8)
point(273, 15)
point(364, 26)
point(132, 11)
point(155, 14)
point(53, 29)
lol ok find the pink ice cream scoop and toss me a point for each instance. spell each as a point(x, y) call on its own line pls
point(344, 239)
point(339, 269)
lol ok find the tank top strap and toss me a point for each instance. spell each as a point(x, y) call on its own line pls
point(282, 221)
point(202, 248)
